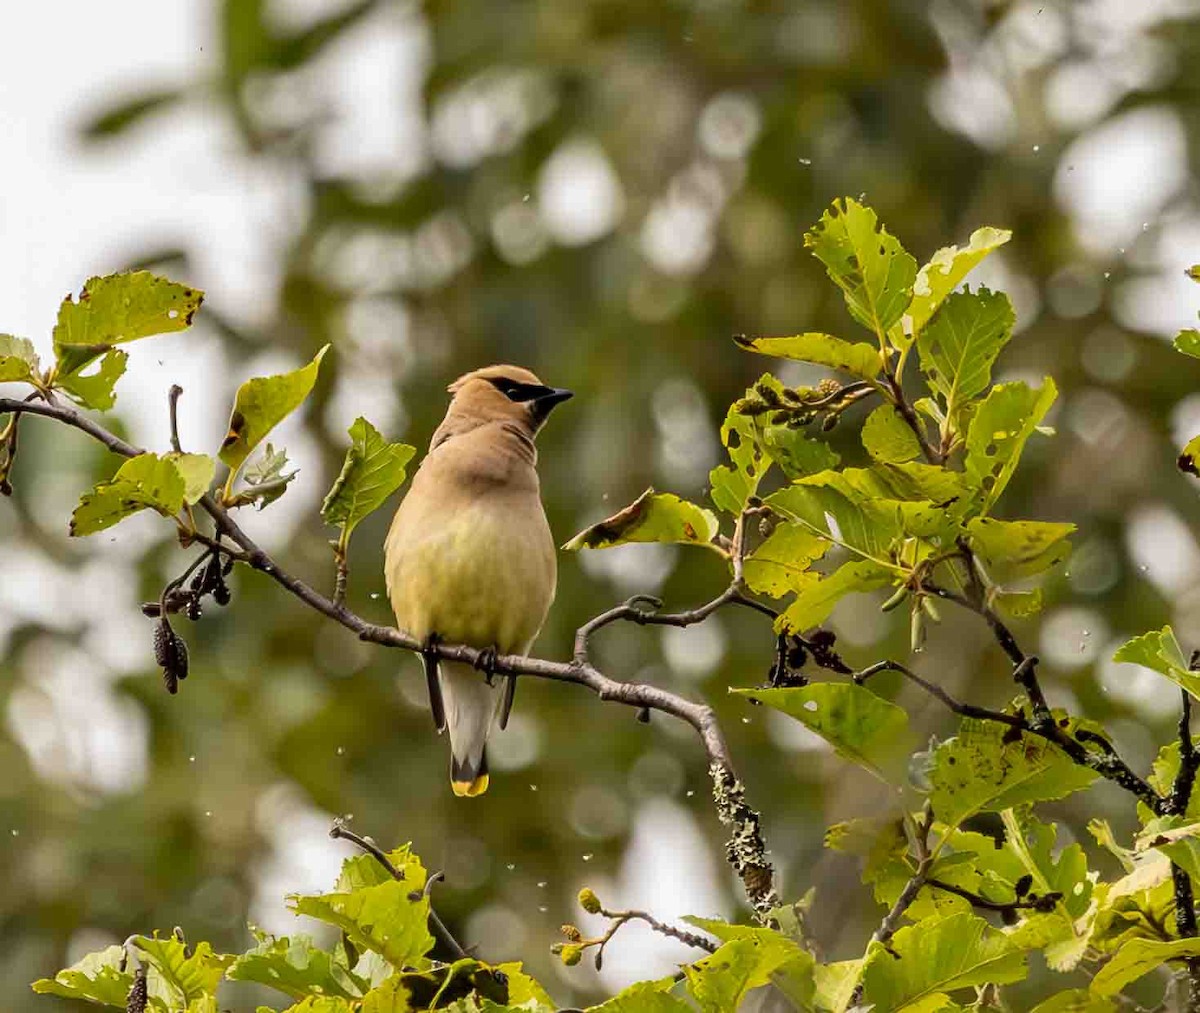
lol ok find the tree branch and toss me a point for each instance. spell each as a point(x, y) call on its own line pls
point(1045, 902)
point(746, 849)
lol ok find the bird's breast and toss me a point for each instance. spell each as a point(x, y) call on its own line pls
point(479, 572)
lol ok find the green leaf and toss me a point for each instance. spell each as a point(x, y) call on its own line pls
point(376, 912)
point(1177, 837)
point(261, 404)
point(119, 308)
point(317, 1004)
point(836, 984)
point(652, 517)
point(858, 357)
point(97, 977)
point(888, 437)
point(816, 599)
point(97, 388)
point(125, 114)
point(1188, 456)
point(197, 471)
point(862, 727)
point(1012, 550)
point(793, 974)
point(188, 977)
point(1160, 651)
point(872, 269)
point(720, 982)
point(1138, 957)
point(999, 429)
point(373, 470)
point(945, 270)
point(1075, 1000)
point(1188, 342)
point(962, 342)
point(391, 996)
point(781, 562)
point(296, 967)
point(796, 454)
point(937, 956)
point(979, 770)
point(143, 482)
point(18, 359)
point(644, 997)
point(265, 480)
point(735, 483)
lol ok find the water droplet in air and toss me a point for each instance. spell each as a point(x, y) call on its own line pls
point(1121, 250)
point(543, 908)
point(192, 759)
point(587, 857)
point(1145, 226)
point(1143, 568)
point(16, 833)
point(511, 866)
point(745, 721)
point(690, 794)
point(805, 161)
point(533, 787)
point(374, 596)
point(525, 199)
point(341, 750)
point(1037, 148)
point(1087, 633)
point(207, 812)
point(541, 884)
point(1108, 274)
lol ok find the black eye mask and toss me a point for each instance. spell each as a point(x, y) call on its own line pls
point(542, 399)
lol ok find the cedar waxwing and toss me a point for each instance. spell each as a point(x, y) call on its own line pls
point(469, 558)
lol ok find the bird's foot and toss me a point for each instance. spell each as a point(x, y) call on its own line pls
point(429, 647)
point(485, 662)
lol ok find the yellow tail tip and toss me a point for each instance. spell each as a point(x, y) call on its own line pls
point(469, 789)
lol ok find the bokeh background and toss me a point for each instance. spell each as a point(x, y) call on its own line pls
point(604, 190)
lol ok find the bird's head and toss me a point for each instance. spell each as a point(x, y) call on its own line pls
point(505, 394)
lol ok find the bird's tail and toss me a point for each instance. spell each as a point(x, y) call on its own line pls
point(472, 709)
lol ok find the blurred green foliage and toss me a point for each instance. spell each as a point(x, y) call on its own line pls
point(745, 118)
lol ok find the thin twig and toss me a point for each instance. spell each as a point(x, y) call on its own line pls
point(172, 405)
point(1045, 902)
point(339, 830)
point(965, 710)
point(621, 918)
point(747, 845)
point(891, 921)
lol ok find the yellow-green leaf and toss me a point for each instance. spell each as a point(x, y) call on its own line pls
point(945, 270)
point(731, 485)
point(197, 471)
point(816, 597)
point(97, 977)
point(143, 482)
point(373, 470)
point(1012, 550)
point(858, 357)
point(1188, 342)
point(961, 343)
point(888, 438)
point(988, 767)
point(261, 404)
point(96, 387)
point(18, 359)
point(999, 429)
point(1137, 957)
point(860, 725)
point(644, 997)
point(189, 973)
point(781, 563)
point(1188, 456)
point(1160, 651)
point(652, 517)
point(296, 967)
point(867, 263)
point(119, 308)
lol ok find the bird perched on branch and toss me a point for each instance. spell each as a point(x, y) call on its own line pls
point(469, 558)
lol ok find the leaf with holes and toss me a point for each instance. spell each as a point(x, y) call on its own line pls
point(652, 517)
point(795, 453)
point(858, 358)
point(861, 726)
point(188, 976)
point(720, 982)
point(1160, 651)
point(96, 388)
point(961, 343)
point(373, 470)
point(888, 438)
point(999, 429)
point(145, 482)
point(869, 265)
point(18, 359)
point(792, 965)
point(924, 962)
point(116, 309)
point(733, 484)
point(781, 564)
point(945, 270)
point(261, 404)
point(988, 767)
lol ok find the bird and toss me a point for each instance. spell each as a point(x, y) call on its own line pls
point(469, 558)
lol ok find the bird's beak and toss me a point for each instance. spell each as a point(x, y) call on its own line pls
point(553, 396)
